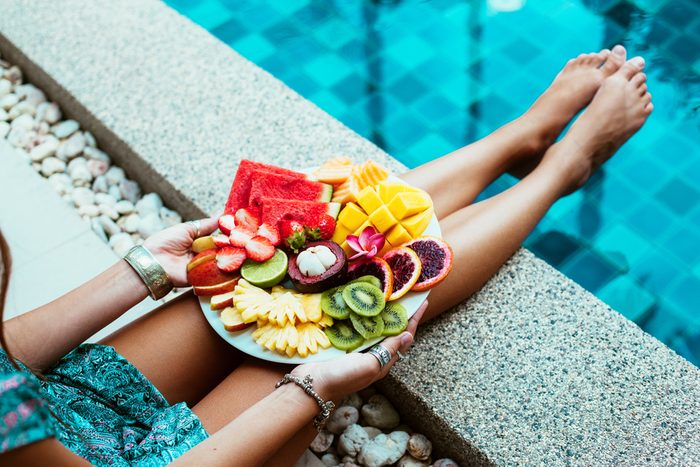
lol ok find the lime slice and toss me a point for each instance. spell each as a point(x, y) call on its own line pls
point(267, 273)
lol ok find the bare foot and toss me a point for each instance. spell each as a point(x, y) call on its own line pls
point(618, 110)
point(572, 89)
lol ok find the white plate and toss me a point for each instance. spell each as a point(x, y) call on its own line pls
point(243, 341)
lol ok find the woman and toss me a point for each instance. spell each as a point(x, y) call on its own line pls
point(126, 401)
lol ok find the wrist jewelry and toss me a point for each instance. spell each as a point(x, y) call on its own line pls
point(150, 271)
point(327, 407)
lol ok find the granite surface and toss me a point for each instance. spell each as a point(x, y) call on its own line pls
point(532, 370)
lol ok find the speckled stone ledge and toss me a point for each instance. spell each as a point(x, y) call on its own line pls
point(532, 370)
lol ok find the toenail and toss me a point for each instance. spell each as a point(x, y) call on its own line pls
point(638, 61)
point(618, 50)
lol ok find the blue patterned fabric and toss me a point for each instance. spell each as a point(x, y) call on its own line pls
point(110, 413)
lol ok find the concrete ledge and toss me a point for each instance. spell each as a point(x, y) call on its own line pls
point(533, 369)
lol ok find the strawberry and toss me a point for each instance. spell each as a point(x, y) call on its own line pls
point(240, 236)
point(270, 232)
point(292, 232)
point(326, 226)
point(227, 223)
point(248, 217)
point(259, 248)
point(221, 240)
point(230, 259)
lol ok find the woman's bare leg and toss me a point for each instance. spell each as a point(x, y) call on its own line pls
point(486, 234)
point(177, 350)
point(455, 180)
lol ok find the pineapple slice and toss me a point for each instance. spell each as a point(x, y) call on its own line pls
point(252, 302)
point(326, 321)
point(286, 308)
point(312, 306)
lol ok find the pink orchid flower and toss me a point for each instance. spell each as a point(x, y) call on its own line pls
point(367, 244)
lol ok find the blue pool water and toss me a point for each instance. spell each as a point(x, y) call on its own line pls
point(422, 78)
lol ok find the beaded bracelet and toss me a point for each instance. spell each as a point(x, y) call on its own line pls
point(327, 407)
point(150, 271)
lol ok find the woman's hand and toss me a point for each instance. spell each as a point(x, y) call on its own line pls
point(172, 247)
point(337, 378)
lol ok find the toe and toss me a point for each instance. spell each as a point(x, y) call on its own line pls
point(614, 60)
point(638, 79)
point(649, 107)
point(643, 89)
point(646, 98)
point(600, 57)
point(631, 67)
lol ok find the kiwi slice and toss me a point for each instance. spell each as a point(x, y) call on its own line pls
point(369, 327)
point(364, 299)
point(333, 305)
point(395, 319)
point(343, 336)
point(369, 279)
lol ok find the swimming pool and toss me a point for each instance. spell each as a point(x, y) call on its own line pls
point(422, 78)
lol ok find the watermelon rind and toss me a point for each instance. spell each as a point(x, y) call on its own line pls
point(333, 210)
point(327, 193)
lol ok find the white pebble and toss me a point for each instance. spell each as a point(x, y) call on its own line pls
point(31, 94)
point(130, 190)
point(65, 128)
point(169, 217)
point(52, 165)
point(20, 137)
point(352, 440)
point(3, 115)
point(89, 210)
point(419, 446)
point(97, 228)
point(90, 140)
point(24, 121)
point(124, 207)
point(44, 150)
point(83, 196)
point(131, 223)
point(36, 166)
point(8, 101)
point(72, 146)
point(61, 182)
point(115, 175)
point(21, 109)
point(331, 460)
point(94, 153)
point(96, 167)
point(81, 174)
point(383, 449)
point(52, 114)
point(408, 461)
point(121, 243)
point(379, 413)
point(100, 184)
point(5, 87)
point(105, 198)
point(109, 226)
point(115, 192)
point(149, 204)
point(4, 129)
point(77, 162)
point(149, 225)
point(42, 128)
point(14, 75)
point(109, 211)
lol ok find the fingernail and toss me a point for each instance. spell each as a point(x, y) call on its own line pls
point(406, 339)
point(618, 50)
point(638, 61)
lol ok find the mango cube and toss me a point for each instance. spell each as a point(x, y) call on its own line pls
point(369, 200)
point(416, 224)
point(382, 219)
point(340, 233)
point(351, 217)
point(407, 204)
point(387, 190)
point(398, 235)
point(364, 225)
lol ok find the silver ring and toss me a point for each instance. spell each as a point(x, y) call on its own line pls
point(381, 353)
point(399, 355)
point(196, 224)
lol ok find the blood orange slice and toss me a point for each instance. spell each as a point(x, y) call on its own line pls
point(405, 267)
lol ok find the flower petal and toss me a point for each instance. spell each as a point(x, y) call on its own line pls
point(377, 241)
point(372, 251)
point(354, 243)
point(358, 255)
point(365, 237)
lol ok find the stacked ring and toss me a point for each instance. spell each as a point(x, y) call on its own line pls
point(381, 353)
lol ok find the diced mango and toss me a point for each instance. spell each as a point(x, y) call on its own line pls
point(416, 224)
point(364, 225)
point(407, 204)
point(387, 190)
point(352, 216)
point(382, 219)
point(397, 236)
point(369, 199)
point(340, 233)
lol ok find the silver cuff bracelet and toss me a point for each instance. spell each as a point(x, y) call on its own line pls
point(327, 407)
point(150, 271)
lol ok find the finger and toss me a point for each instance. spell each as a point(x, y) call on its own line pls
point(417, 316)
point(208, 225)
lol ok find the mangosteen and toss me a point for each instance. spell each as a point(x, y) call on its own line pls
point(319, 266)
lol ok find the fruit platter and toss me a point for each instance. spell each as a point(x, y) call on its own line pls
point(309, 265)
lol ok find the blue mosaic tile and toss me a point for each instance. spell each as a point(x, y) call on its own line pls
point(651, 220)
point(254, 47)
point(628, 297)
point(590, 269)
point(686, 295)
point(328, 69)
point(622, 240)
point(678, 195)
point(685, 244)
point(555, 247)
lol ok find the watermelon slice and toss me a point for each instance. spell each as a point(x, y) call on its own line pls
point(240, 190)
point(306, 212)
point(271, 185)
